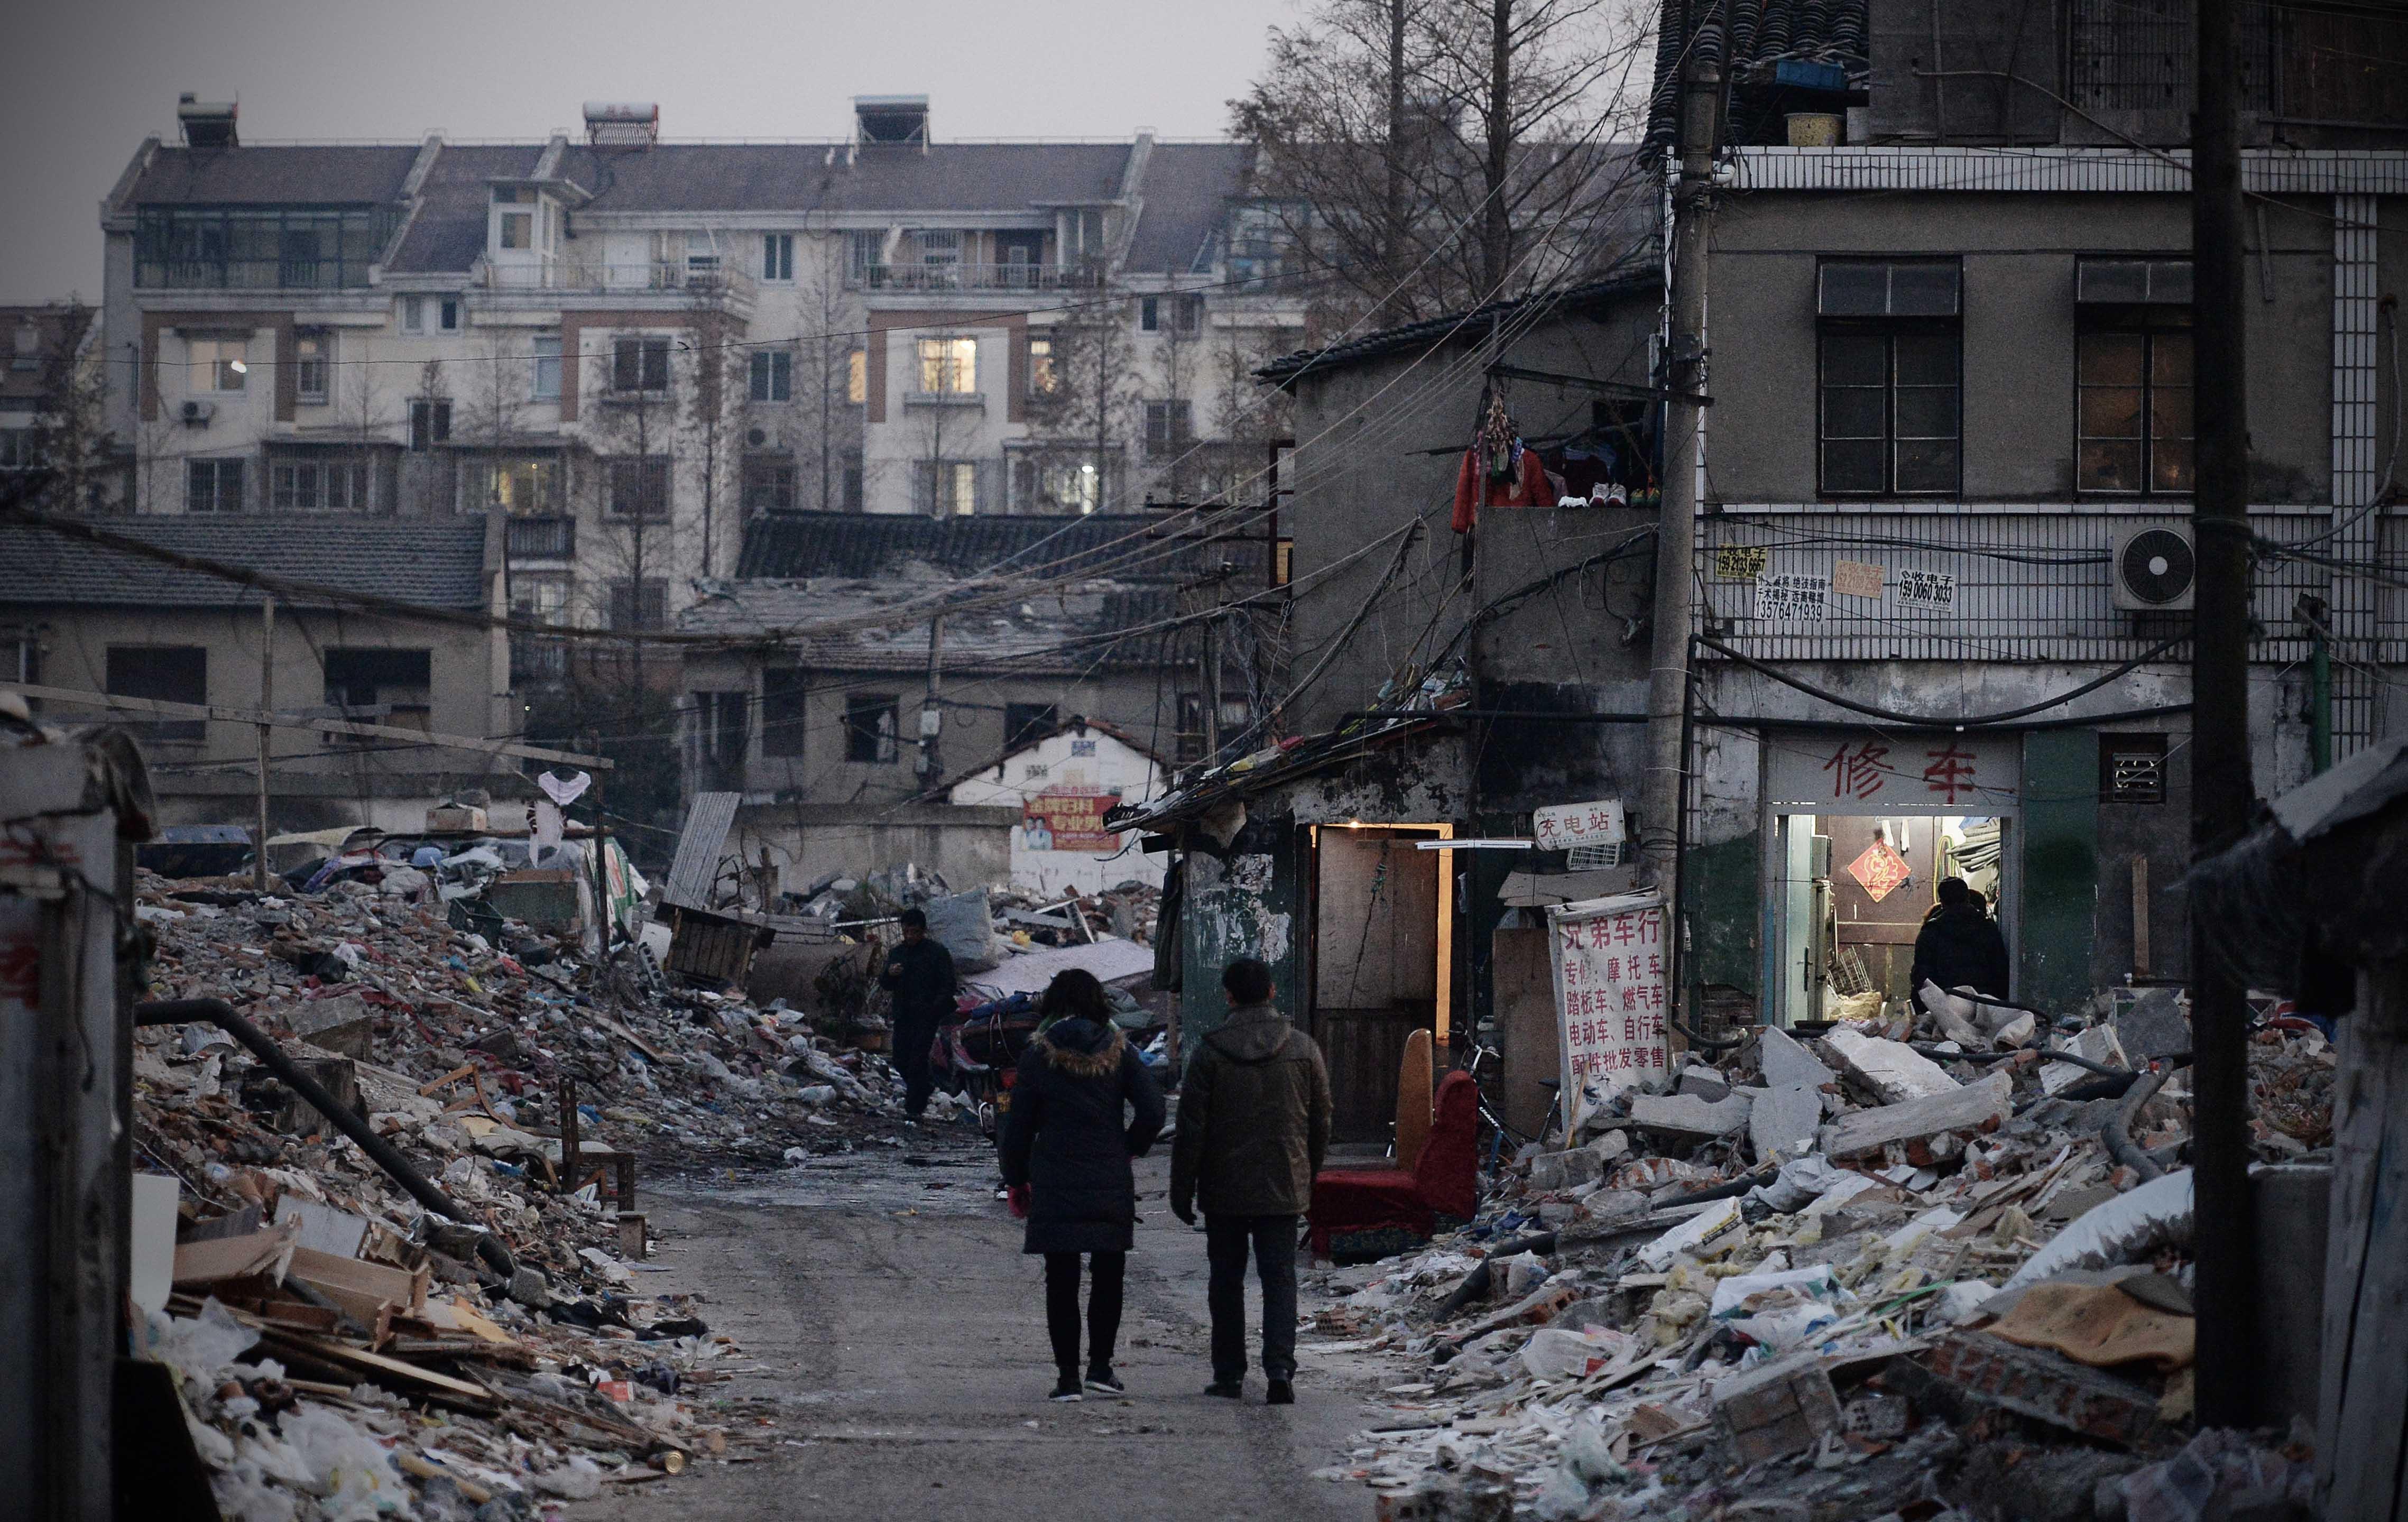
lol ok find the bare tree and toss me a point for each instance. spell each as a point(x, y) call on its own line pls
point(1096, 385)
point(713, 415)
point(71, 441)
point(831, 435)
point(1429, 155)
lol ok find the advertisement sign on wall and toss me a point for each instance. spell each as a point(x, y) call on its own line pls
point(1610, 996)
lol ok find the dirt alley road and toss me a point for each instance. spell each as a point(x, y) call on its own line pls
point(902, 1332)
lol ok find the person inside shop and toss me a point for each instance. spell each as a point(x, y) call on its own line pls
point(1084, 1107)
point(919, 974)
point(1960, 945)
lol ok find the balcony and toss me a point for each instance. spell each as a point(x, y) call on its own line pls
point(972, 399)
point(536, 660)
point(971, 277)
point(692, 281)
point(541, 539)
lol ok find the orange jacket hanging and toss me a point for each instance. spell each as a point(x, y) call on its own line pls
point(1528, 489)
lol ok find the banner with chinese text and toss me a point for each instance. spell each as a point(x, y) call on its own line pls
point(1069, 819)
point(1611, 996)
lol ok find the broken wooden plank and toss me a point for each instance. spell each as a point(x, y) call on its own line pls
point(1965, 1108)
point(391, 1373)
point(262, 1255)
point(426, 1090)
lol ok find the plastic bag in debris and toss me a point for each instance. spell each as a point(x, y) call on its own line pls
point(1800, 1183)
point(245, 1492)
point(2215, 1462)
point(1732, 1295)
point(1524, 1273)
point(964, 925)
point(200, 1347)
point(580, 1479)
point(1557, 1353)
point(2156, 1214)
point(354, 1475)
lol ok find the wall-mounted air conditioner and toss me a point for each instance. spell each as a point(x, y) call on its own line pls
point(2156, 569)
point(197, 414)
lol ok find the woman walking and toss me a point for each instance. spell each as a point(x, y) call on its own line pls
point(1067, 1143)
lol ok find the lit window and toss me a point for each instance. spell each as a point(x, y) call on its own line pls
point(540, 597)
point(949, 366)
point(221, 364)
point(856, 376)
point(947, 488)
point(1040, 367)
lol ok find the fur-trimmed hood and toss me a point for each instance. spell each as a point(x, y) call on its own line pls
point(1082, 1048)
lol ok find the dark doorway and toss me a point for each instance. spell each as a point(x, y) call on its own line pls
point(1375, 972)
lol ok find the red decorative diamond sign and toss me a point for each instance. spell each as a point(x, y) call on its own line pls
point(1881, 869)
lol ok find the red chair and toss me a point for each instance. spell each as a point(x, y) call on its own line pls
point(1359, 1215)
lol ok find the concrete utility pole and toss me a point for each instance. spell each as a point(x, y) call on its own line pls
point(2221, 790)
point(931, 719)
point(1684, 372)
point(267, 735)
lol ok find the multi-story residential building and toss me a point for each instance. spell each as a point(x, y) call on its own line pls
point(50, 406)
point(1943, 547)
point(631, 345)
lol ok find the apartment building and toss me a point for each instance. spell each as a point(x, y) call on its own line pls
point(630, 347)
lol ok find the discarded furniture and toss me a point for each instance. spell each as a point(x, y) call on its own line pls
point(1363, 1213)
point(1414, 1108)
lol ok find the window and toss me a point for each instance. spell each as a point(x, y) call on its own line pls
point(26, 354)
point(399, 681)
point(1890, 373)
point(430, 423)
point(870, 728)
point(520, 485)
point(722, 727)
point(413, 314)
point(17, 449)
point(768, 483)
point(219, 365)
point(640, 606)
point(213, 487)
point(258, 248)
point(946, 488)
point(518, 229)
point(1026, 721)
point(447, 315)
point(938, 245)
point(1049, 483)
point(1191, 727)
point(1170, 427)
point(639, 365)
point(777, 256)
point(640, 486)
point(856, 376)
point(773, 376)
point(312, 364)
point(1188, 311)
point(2133, 377)
point(2132, 769)
point(949, 366)
point(864, 255)
point(163, 674)
point(701, 259)
point(318, 486)
point(785, 705)
point(544, 384)
point(1041, 378)
point(541, 597)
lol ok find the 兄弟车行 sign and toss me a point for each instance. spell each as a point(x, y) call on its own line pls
point(1610, 994)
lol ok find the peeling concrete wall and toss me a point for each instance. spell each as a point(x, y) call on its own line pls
point(1246, 903)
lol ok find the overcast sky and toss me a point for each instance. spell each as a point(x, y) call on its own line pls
point(92, 77)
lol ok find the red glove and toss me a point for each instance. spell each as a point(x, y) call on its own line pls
point(1019, 1202)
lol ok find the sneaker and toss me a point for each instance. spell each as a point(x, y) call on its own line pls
point(1104, 1382)
point(1065, 1389)
point(1281, 1393)
point(1227, 1389)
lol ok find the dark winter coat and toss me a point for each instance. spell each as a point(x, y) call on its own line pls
point(920, 975)
point(1959, 946)
point(1254, 1119)
point(1064, 1137)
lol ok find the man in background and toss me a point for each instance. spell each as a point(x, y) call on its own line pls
point(1960, 945)
point(919, 973)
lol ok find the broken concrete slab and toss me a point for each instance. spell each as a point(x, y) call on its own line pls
point(1686, 1115)
point(2155, 1026)
point(1788, 1063)
point(1892, 1069)
point(2044, 1386)
point(343, 1026)
point(1703, 1084)
point(1784, 1119)
point(1553, 1170)
point(2098, 1043)
point(1963, 1108)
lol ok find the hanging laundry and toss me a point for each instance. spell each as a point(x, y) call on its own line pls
point(1498, 472)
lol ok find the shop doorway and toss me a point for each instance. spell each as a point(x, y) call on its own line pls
point(1383, 950)
point(1851, 891)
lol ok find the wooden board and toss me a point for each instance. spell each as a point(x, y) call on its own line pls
point(1413, 1084)
point(2362, 1413)
point(393, 1374)
point(1529, 1036)
point(262, 1255)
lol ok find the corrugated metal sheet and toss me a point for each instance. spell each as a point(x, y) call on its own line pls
point(697, 864)
point(2313, 172)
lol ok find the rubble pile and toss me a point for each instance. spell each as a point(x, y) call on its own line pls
point(346, 1350)
point(1880, 1270)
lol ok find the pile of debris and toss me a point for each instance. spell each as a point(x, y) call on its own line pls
point(343, 1346)
point(1880, 1271)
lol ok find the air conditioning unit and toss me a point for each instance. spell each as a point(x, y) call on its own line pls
point(197, 414)
point(2156, 569)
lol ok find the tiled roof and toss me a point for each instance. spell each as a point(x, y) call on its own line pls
point(811, 176)
point(1758, 34)
point(273, 176)
point(1069, 630)
point(856, 544)
point(1466, 327)
point(448, 231)
point(438, 562)
point(1186, 187)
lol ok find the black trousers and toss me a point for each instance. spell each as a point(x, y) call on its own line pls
point(1272, 1239)
point(1103, 1308)
point(913, 1033)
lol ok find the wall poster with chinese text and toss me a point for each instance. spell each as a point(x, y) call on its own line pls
point(1612, 997)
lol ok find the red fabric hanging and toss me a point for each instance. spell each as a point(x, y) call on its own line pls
point(1528, 489)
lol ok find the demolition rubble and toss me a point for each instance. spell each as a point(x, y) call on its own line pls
point(438, 1305)
point(1874, 1272)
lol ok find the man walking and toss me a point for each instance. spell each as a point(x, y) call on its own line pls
point(920, 974)
point(1960, 945)
point(1253, 1127)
